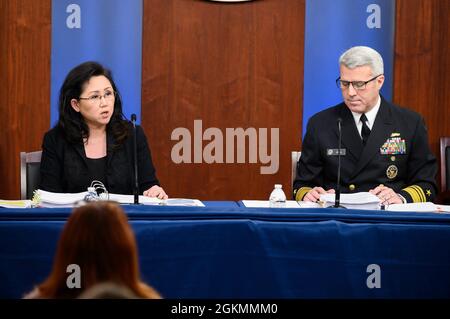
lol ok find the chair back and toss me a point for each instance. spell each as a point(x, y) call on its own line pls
point(29, 173)
point(295, 156)
point(445, 163)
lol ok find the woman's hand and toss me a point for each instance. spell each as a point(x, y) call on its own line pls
point(156, 191)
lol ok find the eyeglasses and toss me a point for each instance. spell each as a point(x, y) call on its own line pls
point(96, 98)
point(357, 85)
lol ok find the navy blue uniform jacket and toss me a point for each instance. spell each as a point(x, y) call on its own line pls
point(397, 154)
point(64, 167)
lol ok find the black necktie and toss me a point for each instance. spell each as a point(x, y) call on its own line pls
point(365, 131)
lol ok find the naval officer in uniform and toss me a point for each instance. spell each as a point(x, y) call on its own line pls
point(384, 147)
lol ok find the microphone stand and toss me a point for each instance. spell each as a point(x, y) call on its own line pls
point(136, 181)
point(337, 197)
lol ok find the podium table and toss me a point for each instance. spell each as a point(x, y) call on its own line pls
point(227, 251)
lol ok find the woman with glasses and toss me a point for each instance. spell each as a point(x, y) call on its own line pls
point(92, 141)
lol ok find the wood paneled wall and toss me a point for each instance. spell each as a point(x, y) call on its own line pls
point(237, 65)
point(422, 63)
point(229, 66)
point(24, 85)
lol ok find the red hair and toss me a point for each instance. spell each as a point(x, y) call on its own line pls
point(97, 238)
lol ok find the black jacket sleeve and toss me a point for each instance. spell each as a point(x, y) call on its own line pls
point(51, 164)
point(422, 168)
point(310, 164)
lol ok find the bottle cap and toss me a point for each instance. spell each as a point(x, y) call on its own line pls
point(278, 186)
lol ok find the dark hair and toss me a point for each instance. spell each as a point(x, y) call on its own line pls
point(98, 238)
point(71, 122)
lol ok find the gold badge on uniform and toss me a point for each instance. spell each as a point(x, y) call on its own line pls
point(391, 171)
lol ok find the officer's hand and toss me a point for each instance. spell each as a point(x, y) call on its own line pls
point(386, 194)
point(314, 194)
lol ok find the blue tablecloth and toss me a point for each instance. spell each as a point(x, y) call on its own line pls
point(227, 251)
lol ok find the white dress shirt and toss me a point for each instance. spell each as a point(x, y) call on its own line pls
point(371, 115)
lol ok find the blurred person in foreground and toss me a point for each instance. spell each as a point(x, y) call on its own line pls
point(98, 239)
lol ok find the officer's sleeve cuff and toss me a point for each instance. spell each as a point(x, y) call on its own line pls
point(301, 192)
point(404, 201)
point(413, 194)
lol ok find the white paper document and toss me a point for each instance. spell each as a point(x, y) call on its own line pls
point(49, 199)
point(15, 203)
point(182, 202)
point(129, 199)
point(266, 204)
point(362, 200)
point(304, 204)
point(419, 207)
point(443, 208)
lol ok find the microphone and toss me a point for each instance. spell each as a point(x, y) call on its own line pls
point(136, 180)
point(337, 198)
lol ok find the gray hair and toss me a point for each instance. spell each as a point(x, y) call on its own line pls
point(361, 56)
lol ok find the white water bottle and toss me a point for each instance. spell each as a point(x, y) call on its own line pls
point(277, 197)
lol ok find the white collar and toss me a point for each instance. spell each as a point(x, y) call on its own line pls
point(371, 115)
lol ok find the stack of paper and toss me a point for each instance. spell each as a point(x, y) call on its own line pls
point(362, 200)
point(49, 199)
point(15, 203)
point(43, 198)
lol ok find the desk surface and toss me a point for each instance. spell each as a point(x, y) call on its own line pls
point(226, 251)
